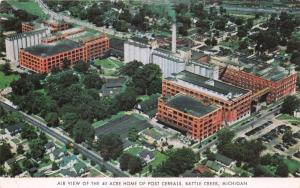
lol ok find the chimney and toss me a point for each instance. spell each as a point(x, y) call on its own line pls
point(174, 37)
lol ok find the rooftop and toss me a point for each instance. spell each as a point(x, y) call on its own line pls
point(189, 105)
point(213, 165)
point(83, 36)
point(53, 48)
point(214, 87)
point(223, 159)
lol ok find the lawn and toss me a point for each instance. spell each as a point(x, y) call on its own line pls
point(5, 80)
point(30, 6)
point(108, 63)
point(289, 118)
point(102, 122)
point(293, 165)
point(134, 150)
point(95, 173)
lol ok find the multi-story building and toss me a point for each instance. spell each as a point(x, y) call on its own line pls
point(235, 101)
point(14, 42)
point(63, 35)
point(275, 81)
point(54, 25)
point(44, 57)
point(196, 118)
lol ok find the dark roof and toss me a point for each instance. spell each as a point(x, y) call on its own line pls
point(145, 153)
point(52, 49)
point(196, 55)
point(49, 145)
point(223, 159)
point(57, 153)
point(117, 44)
point(14, 129)
point(140, 40)
point(189, 105)
point(204, 82)
point(114, 82)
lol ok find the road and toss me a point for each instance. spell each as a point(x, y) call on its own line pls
point(65, 139)
point(69, 19)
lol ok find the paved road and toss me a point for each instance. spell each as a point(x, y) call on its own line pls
point(84, 151)
point(262, 10)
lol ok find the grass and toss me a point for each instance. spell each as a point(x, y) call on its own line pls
point(108, 63)
point(293, 165)
point(102, 122)
point(134, 150)
point(30, 6)
point(94, 173)
point(233, 45)
point(5, 80)
point(289, 118)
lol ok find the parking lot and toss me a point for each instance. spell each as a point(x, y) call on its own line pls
point(271, 133)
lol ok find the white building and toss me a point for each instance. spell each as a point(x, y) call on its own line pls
point(13, 43)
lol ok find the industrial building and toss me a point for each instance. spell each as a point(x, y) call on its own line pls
point(15, 42)
point(235, 101)
point(52, 24)
point(266, 80)
point(196, 118)
point(83, 46)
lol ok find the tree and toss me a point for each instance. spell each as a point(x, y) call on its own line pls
point(54, 166)
point(135, 165)
point(52, 119)
point(2, 171)
point(133, 134)
point(282, 170)
point(110, 147)
point(93, 80)
point(20, 149)
point(130, 68)
point(5, 150)
point(81, 66)
point(225, 136)
point(29, 132)
point(124, 161)
point(5, 68)
point(21, 86)
point(43, 138)
point(65, 63)
point(127, 99)
point(214, 41)
point(82, 131)
point(287, 136)
point(15, 169)
point(178, 162)
point(290, 104)
point(37, 150)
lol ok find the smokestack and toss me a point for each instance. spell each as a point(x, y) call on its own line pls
point(174, 37)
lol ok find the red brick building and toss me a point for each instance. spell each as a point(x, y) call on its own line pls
point(42, 58)
point(52, 24)
point(235, 101)
point(197, 119)
point(276, 81)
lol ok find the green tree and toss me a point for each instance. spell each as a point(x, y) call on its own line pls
point(130, 68)
point(52, 119)
point(81, 66)
point(5, 68)
point(82, 131)
point(225, 136)
point(93, 80)
point(135, 165)
point(29, 132)
point(290, 104)
point(20, 149)
point(37, 150)
point(110, 146)
point(133, 134)
point(5, 150)
point(282, 170)
point(15, 169)
point(287, 136)
point(124, 161)
point(54, 166)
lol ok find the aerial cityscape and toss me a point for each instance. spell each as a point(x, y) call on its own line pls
point(149, 88)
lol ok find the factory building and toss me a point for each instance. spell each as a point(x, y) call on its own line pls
point(15, 42)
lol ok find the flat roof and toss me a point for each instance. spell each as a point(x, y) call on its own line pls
point(83, 36)
point(189, 105)
point(218, 87)
point(52, 48)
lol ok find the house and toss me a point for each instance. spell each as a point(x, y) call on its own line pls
point(297, 113)
point(14, 129)
point(68, 173)
point(9, 163)
point(112, 86)
point(147, 155)
point(68, 162)
point(201, 169)
point(80, 168)
point(153, 136)
point(224, 160)
point(50, 147)
point(57, 154)
point(216, 167)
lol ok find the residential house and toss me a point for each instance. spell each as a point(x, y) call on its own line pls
point(224, 160)
point(147, 155)
point(50, 147)
point(216, 167)
point(14, 129)
point(201, 169)
point(112, 86)
point(153, 136)
point(68, 162)
point(57, 154)
point(80, 168)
